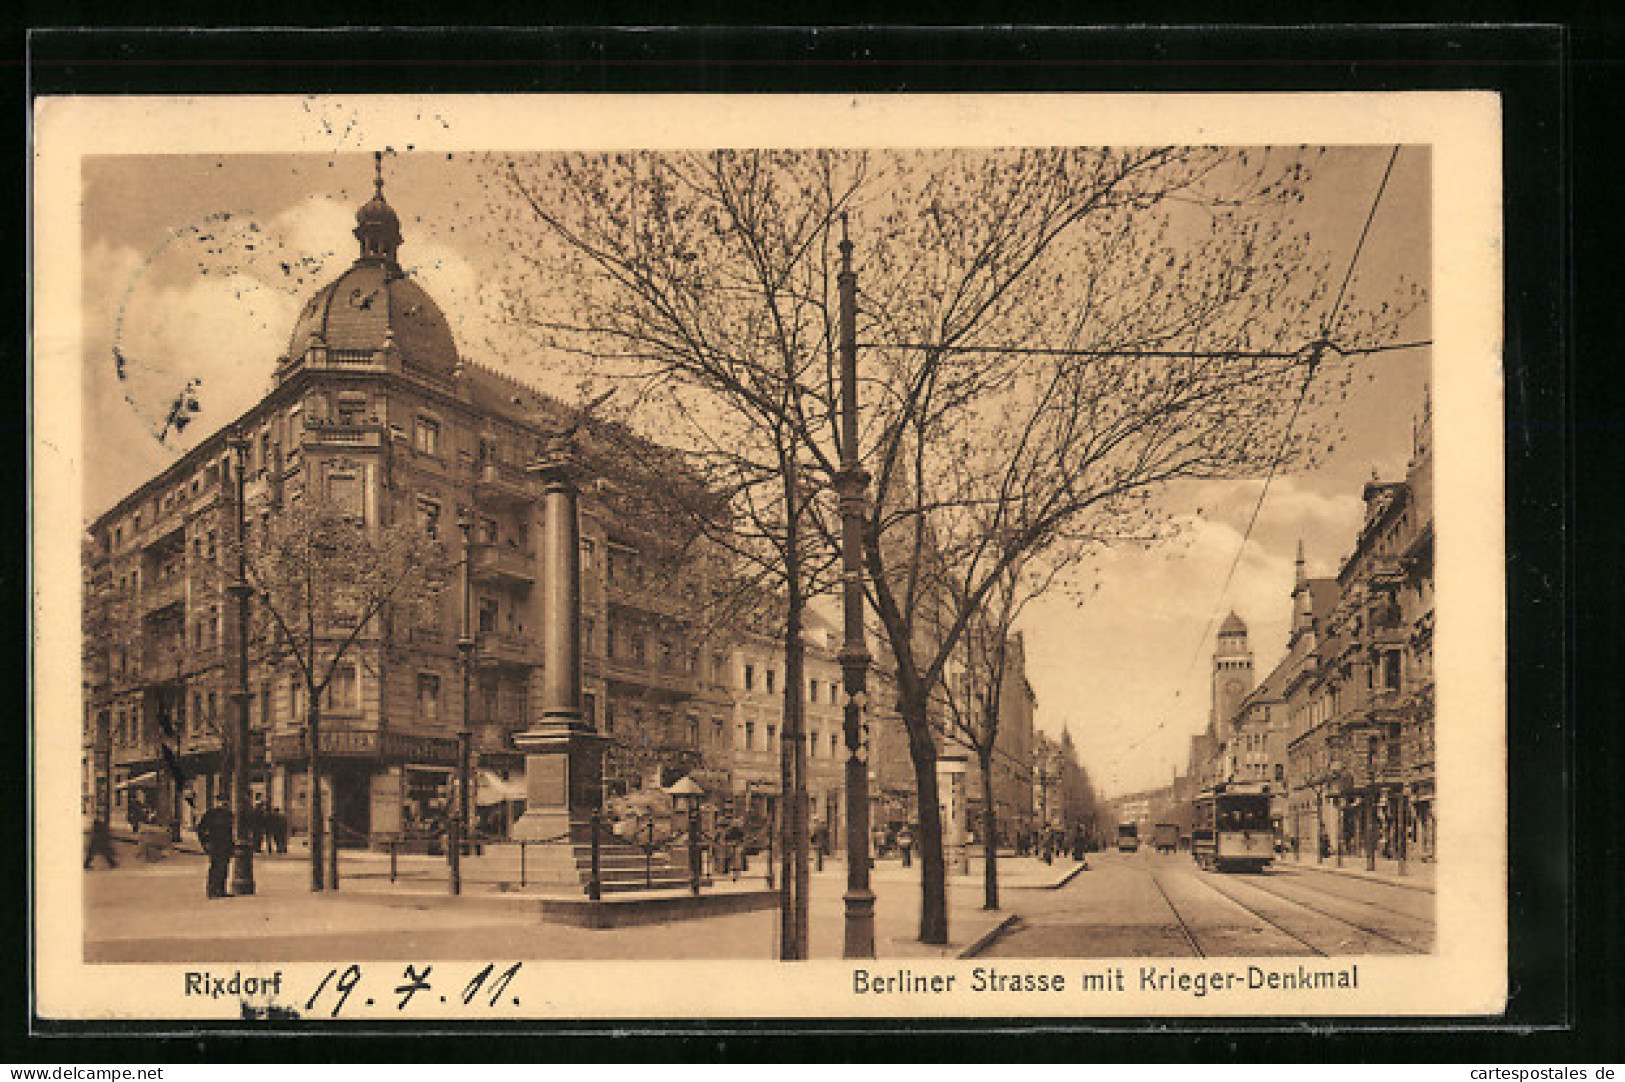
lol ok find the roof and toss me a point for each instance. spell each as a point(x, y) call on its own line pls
point(1232, 625)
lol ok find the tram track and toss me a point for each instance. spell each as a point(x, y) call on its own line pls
point(1364, 929)
point(1179, 918)
point(1364, 903)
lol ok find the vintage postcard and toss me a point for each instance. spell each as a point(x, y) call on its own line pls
point(668, 557)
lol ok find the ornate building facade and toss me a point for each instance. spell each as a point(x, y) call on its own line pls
point(373, 408)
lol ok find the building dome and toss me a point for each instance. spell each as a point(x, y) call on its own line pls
point(1232, 626)
point(371, 305)
point(374, 304)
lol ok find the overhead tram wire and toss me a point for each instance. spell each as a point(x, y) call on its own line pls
point(1319, 347)
point(1170, 354)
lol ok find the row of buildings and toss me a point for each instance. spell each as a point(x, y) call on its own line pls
point(1342, 728)
point(373, 408)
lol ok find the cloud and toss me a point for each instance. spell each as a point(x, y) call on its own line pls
point(218, 333)
point(1128, 672)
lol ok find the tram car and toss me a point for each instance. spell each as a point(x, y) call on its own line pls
point(1128, 837)
point(1232, 830)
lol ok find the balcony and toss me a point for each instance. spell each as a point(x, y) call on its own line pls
point(162, 594)
point(497, 649)
point(341, 435)
point(504, 564)
point(1386, 569)
point(159, 663)
point(652, 597)
point(500, 483)
point(644, 676)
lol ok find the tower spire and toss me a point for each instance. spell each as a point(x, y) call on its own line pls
point(377, 226)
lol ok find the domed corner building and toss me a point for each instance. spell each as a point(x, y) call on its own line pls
point(373, 406)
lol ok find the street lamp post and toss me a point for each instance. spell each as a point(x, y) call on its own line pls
point(688, 793)
point(465, 648)
point(854, 653)
point(242, 872)
point(1370, 802)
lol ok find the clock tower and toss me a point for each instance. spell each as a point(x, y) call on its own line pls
point(1232, 674)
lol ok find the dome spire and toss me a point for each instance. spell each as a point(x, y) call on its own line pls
point(376, 225)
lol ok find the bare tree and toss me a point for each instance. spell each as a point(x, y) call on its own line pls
point(705, 281)
point(1048, 338)
point(973, 703)
point(323, 579)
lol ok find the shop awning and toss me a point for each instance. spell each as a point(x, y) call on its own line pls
point(493, 790)
point(149, 778)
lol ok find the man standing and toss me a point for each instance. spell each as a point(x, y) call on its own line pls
point(257, 824)
point(279, 829)
point(101, 843)
point(214, 831)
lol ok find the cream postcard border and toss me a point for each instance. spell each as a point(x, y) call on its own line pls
point(1466, 976)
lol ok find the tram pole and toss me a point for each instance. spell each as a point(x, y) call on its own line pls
point(859, 898)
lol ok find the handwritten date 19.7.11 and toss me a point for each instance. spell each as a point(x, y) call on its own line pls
point(484, 989)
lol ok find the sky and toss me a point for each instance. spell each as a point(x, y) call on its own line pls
point(195, 268)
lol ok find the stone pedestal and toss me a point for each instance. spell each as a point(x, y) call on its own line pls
point(564, 779)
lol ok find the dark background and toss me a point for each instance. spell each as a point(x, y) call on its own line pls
point(1563, 416)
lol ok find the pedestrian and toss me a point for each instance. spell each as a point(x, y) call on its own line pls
point(279, 829)
point(101, 843)
point(257, 824)
point(214, 831)
point(905, 842)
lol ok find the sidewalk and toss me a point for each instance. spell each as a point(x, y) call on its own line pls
point(1419, 874)
point(158, 912)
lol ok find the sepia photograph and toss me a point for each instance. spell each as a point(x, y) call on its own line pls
point(968, 556)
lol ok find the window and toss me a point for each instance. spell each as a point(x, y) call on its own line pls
point(490, 698)
point(772, 735)
point(427, 436)
point(265, 704)
point(694, 732)
point(812, 690)
point(589, 709)
point(588, 548)
point(609, 717)
point(342, 690)
point(429, 517)
point(609, 641)
point(488, 530)
point(812, 745)
point(770, 675)
point(429, 696)
point(588, 626)
point(834, 745)
point(750, 735)
point(637, 647)
point(488, 615)
point(750, 678)
point(665, 654)
point(344, 490)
